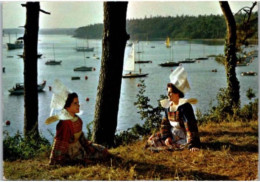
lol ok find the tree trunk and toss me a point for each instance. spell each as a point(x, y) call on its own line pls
point(230, 54)
point(108, 95)
point(30, 69)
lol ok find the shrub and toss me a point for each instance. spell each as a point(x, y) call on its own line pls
point(223, 112)
point(17, 147)
point(151, 115)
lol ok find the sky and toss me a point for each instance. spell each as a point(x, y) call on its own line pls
point(74, 14)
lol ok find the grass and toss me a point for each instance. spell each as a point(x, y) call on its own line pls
point(229, 152)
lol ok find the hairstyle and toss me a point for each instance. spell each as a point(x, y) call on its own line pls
point(175, 90)
point(70, 99)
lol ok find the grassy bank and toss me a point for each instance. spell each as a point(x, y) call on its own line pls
point(229, 152)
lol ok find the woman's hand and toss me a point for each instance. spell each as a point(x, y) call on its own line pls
point(194, 149)
point(168, 141)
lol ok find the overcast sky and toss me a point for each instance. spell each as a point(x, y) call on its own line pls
point(69, 14)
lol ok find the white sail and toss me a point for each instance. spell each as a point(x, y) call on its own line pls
point(130, 62)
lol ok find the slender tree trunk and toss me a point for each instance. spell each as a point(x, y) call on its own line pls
point(230, 54)
point(30, 69)
point(108, 95)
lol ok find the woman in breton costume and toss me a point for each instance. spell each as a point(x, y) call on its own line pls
point(179, 126)
point(70, 145)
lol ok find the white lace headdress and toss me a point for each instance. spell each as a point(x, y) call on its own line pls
point(59, 97)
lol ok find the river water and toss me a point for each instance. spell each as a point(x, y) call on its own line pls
point(204, 83)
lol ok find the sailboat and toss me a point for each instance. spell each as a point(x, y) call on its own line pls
point(167, 42)
point(53, 61)
point(130, 66)
point(188, 60)
point(140, 61)
point(84, 49)
point(84, 68)
point(170, 63)
point(202, 58)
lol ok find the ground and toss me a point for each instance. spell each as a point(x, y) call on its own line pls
point(229, 152)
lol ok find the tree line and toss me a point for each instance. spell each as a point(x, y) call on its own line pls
point(179, 27)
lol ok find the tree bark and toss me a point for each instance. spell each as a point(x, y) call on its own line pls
point(30, 69)
point(108, 95)
point(230, 54)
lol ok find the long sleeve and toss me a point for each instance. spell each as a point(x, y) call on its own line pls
point(64, 135)
point(165, 129)
point(190, 124)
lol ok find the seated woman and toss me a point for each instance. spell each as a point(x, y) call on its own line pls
point(70, 145)
point(179, 126)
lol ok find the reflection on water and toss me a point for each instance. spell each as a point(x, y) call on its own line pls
point(204, 83)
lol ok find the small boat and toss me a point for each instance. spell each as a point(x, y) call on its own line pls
point(9, 56)
point(84, 49)
point(18, 89)
point(214, 70)
point(169, 64)
point(130, 66)
point(83, 68)
point(3, 69)
point(187, 60)
point(242, 64)
point(53, 62)
point(75, 78)
point(18, 44)
point(152, 46)
point(167, 42)
point(38, 55)
point(249, 73)
point(201, 58)
point(140, 62)
point(134, 75)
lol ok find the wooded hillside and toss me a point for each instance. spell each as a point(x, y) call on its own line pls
point(179, 27)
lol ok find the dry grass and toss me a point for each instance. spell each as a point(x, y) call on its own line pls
point(229, 152)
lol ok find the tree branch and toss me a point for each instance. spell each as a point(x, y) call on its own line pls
point(45, 12)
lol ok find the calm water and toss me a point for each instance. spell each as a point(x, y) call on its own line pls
point(204, 83)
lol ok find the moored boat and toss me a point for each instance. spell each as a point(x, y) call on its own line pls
point(75, 78)
point(18, 89)
point(249, 73)
point(242, 64)
point(84, 49)
point(187, 60)
point(38, 55)
point(140, 62)
point(18, 44)
point(130, 66)
point(169, 64)
point(84, 68)
point(134, 75)
point(53, 62)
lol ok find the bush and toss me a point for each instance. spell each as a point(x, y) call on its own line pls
point(151, 115)
point(223, 112)
point(16, 147)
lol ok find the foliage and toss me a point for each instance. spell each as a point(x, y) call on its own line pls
point(17, 147)
point(250, 94)
point(89, 131)
point(223, 112)
point(151, 115)
point(247, 26)
point(178, 27)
